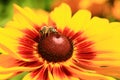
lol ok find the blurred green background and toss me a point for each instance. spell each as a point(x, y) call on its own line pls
point(6, 7)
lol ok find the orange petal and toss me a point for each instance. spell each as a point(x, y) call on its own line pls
point(109, 70)
point(88, 75)
point(8, 64)
point(7, 61)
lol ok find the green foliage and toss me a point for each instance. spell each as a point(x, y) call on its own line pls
point(44, 4)
point(5, 11)
point(19, 76)
point(6, 7)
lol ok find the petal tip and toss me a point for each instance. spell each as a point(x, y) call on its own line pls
point(85, 11)
point(64, 6)
point(17, 8)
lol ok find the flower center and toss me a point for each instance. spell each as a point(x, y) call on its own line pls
point(55, 47)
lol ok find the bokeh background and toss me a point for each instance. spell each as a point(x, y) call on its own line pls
point(103, 8)
point(109, 9)
point(6, 7)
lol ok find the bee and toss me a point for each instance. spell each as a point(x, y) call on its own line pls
point(45, 30)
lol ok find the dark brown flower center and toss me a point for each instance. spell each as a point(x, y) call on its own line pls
point(55, 47)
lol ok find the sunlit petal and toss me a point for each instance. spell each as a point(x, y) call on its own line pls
point(64, 17)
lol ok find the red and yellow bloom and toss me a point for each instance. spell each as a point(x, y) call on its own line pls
point(59, 46)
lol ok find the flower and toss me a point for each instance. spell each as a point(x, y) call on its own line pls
point(115, 9)
point(103, 8)
point(96, 7)
point(59, 46)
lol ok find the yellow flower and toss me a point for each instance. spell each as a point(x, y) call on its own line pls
point(96, 7)
point(59, 45)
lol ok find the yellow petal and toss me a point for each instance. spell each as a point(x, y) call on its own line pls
point(8, 44)
point(96, 28)
point(12, 33)
point(28, 14)
point(9, 64)
point(79, 20)
point(108, 45)
point(43, 15)
point(2, 51)
point(61, 15)
point(29, 77)
point(25, 18)
point(108, 51)
point(17, 69)
point(6, 76)
point(20, 23)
